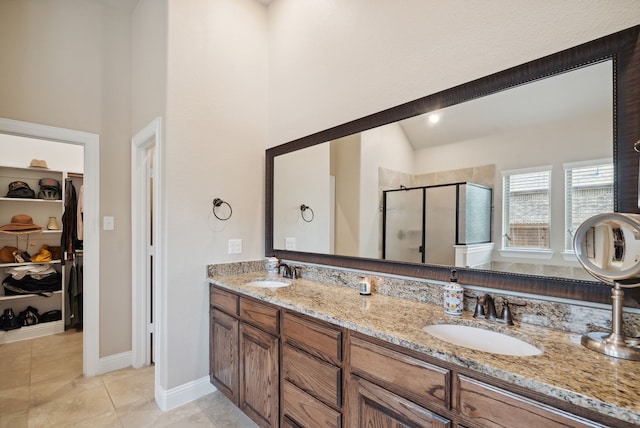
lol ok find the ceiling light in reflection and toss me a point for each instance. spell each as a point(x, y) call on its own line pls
point(433, 118)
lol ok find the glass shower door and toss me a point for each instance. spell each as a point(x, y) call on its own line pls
point(440, 225)
point(403, 225)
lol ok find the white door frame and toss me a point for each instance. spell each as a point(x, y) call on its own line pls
point(91, 227)
point(149, 136)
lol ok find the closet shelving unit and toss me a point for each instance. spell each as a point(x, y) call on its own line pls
point(40, 210)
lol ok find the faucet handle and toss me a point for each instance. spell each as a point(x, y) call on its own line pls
point(479, 311)
point(295, 272)
point(505, 316)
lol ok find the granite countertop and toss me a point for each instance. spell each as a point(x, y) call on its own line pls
point(565, 370)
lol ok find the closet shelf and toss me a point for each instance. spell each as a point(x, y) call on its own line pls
point(53, 262)
point(48, 201)
point(25, 296)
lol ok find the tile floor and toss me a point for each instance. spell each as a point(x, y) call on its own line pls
point(41, 385)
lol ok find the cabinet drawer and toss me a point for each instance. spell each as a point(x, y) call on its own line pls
point(262, 316)
point(316, 377)
point(409, 377)
point(483, 403)
point(319, 340)
point(374, 406)
point(306, 410)
point(224, 300)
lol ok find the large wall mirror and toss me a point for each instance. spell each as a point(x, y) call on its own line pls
point(492, 176)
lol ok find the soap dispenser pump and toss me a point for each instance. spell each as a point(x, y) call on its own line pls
point(453, 296)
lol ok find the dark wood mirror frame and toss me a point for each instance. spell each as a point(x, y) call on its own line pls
point(622, 47)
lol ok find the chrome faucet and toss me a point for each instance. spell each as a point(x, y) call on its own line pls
point(486, 308)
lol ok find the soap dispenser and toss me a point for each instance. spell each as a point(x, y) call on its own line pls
point(453, 296)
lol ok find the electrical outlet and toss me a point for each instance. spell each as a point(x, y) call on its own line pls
point(235, 246)
point(290, 244)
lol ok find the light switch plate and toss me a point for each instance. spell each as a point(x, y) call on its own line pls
point(290, 244)
point(235, 246)
point(108, 223)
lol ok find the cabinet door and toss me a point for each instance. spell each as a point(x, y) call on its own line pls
point(372, 406)
point(259, 376)
point(223, 354)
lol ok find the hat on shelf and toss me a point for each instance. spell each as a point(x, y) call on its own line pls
point(6, 254)
point(21, 223)
point(38, 163)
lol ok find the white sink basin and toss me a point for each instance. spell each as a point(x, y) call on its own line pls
point(269, 283)
point(482, 340)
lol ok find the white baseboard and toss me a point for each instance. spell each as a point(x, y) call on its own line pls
point(114, 362)
point(166, 399)
point(183, 394)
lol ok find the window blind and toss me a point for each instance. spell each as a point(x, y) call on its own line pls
point(588, 191)
point(526, 202)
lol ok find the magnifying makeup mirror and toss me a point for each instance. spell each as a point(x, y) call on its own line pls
point(608, 247)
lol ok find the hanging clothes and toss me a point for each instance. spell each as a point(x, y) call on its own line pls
point(74, 291)
point(80, 214)
point(69, 220)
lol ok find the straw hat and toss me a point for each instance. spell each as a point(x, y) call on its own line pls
point(21, 223)
point(37, 163)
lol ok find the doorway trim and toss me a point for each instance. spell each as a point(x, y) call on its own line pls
point(91, 223)
point(149, 136)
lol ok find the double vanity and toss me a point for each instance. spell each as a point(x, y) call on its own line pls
point(313, 352)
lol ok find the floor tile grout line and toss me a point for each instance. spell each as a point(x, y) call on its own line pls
point(113, 404)
point(120, 415)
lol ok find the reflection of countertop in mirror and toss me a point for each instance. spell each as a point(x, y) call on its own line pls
point(566, 370)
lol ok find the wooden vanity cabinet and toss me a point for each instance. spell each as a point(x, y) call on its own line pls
point(403, 388)
point(244, 354)
point(488, 405)
point(311, 372)
point(259, 386)
point(223, 354)
point(223, 342)
point(390, 388)
point(374, 406)
point(282, 367)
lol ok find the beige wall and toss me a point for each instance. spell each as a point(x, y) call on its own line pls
point(216, 131)
point(343, 60)
point(345, 162)
point(148, 62)
point(302, 177)
point(66, 63)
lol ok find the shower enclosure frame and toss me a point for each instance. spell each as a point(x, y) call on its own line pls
point(423, 244)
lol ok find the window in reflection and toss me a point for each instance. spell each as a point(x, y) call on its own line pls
point(588, 191)
point(526, 208)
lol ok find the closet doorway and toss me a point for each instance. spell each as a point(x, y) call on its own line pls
point(91, 243)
